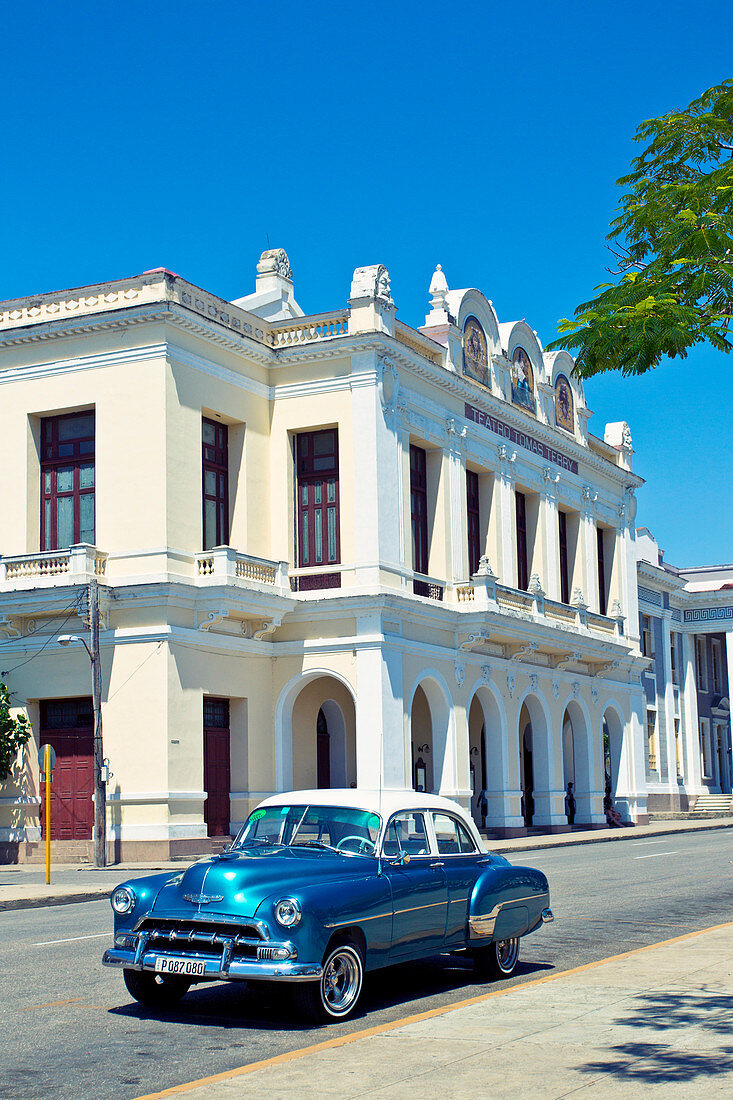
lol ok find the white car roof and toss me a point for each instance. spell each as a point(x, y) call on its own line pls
point(385, 802)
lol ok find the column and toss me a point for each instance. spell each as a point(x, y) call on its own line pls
point(458, 560)
point(671, 776)
point(588, 548)
point(502, 522)
point(729, 661)
point(693, 782)
point(380, 722)
point(550, 531)
point(376, 497)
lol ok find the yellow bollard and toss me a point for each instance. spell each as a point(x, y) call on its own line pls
point(48, 813)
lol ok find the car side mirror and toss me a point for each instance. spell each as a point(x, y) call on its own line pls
point(401, 860)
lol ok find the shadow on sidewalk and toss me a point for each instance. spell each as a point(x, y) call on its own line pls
point(674, 1058)
point(264, 1006)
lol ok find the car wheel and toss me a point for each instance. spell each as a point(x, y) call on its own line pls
point(498, 960)
point(155, 990)
point(337, 993)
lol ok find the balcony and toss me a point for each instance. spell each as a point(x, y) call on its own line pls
point(484, 593)
point(428, 587)
point(75, 565)
point(225, 565)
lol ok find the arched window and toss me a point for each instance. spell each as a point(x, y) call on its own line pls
point(564, 415)
point(475, 352)
point(522, 380)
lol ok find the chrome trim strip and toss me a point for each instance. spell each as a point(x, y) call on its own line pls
point(483, 926)
point(239, 970)
point(417, 908)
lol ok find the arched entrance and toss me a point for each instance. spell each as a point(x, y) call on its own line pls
point(579, 766)
point(526, 765)
point(477, 762)
point(612, 734)
point(323, 736)
point(421, 739)
point(432, 746)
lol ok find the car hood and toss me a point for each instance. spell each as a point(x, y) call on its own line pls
point(238, 882)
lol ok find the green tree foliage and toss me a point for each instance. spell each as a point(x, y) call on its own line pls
point(673, 240)
point(14, 733)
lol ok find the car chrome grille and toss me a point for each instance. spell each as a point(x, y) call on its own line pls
point(184, 937)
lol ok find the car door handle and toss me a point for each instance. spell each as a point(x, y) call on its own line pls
point(438, 863)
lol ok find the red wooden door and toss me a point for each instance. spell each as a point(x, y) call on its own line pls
point(67, 725)
point(216, 766)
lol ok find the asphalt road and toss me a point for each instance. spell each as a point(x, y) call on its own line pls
point(68, 1027)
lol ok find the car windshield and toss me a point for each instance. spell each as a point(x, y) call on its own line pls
point(338, 828)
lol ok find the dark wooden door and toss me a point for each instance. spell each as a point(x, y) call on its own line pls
point(68, 726)
point(216, 766)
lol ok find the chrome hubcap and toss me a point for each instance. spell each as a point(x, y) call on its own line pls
point(506, 954)
point(341, 981)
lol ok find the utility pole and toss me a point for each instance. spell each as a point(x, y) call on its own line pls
point(100, 787)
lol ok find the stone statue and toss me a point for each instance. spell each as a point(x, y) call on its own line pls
point(372, 283)
point(274, 261)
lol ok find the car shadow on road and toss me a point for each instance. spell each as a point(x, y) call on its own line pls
point(266, 1006)
point(685, 1023)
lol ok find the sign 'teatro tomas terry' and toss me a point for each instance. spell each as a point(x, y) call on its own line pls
point(486, 420)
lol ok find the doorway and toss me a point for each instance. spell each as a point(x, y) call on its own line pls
point(68, 726)
point(216, 766)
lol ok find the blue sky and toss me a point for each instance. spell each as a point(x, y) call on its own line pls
point(483, 136)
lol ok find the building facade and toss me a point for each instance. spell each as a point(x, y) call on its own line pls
point(686, 631)
point(331, 550)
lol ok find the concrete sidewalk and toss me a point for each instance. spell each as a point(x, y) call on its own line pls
point(23, 885)
point(653, 1020)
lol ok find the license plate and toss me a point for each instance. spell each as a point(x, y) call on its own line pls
point(190, 967)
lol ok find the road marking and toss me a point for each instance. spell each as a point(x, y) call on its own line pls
point(71, 939)
point(379, 1029)
point(655, 855)
point(52, 1004)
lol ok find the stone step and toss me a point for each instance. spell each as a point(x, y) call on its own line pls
point(689, 815)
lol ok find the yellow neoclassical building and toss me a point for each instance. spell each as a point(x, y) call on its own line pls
point(330, 550)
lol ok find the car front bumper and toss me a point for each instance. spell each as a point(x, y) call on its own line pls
point(218, 968)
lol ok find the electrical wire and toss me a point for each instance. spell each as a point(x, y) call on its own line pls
point(73, 607)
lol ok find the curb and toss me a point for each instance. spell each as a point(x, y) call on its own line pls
point(535, 844)
point(53, 899)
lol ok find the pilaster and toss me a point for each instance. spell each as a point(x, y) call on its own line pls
point(693, 779)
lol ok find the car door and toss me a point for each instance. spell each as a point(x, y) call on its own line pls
point(462, 863)
point(419, 887)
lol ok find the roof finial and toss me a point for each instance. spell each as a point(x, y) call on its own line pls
point(438, 299)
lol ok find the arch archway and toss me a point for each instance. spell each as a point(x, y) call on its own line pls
point(612, 746)
point(432, 735)
point(489, 757)
point(317, 708)
point(537, 761)
point(579, 761)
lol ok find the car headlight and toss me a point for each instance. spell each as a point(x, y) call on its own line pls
point(287, 912)
point(123, 900)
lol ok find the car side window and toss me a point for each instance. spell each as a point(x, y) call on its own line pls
point(406, 832)
point(452, 837)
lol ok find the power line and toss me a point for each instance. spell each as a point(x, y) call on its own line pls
point(75, 606)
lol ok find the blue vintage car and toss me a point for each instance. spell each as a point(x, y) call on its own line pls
point(319, 887)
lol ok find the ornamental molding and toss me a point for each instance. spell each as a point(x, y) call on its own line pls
point(460, 674)
point(258, 629)
point(486, 671)
point(525, 651)
point(722, 613)
point(511, 683)
point(10, 627)
point(562, 663)
point(214, 618)
point(479, 638)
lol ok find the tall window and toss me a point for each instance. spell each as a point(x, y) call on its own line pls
point(673, 656)
point(647, 637)
point(705, 747)
point(419, 509)
point(651, 737)
point(701, 662)
point(717, 666)
point(522, 565)
point(319, 538)
point(67, 480)
point(215, 466)
point(677, 747)
point(601, 572)
point(472, 511)
point(564, 571)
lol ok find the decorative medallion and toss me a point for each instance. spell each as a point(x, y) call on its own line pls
point(564, 417)
point(522, 380)
point(475, 354)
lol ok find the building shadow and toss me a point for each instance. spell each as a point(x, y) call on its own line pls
point(670, 1015)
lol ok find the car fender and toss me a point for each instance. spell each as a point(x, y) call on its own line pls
point(331, 908)
point(506, 902)
point(146, 891)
